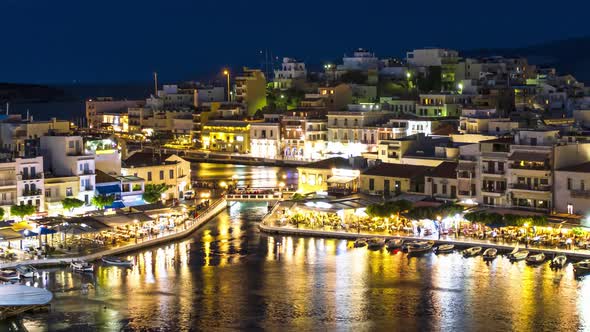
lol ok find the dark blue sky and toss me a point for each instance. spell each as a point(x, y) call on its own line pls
point(62, 41)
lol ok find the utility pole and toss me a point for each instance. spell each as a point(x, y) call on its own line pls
point(155, 84)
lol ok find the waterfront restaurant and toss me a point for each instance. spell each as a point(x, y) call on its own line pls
point(336, 176)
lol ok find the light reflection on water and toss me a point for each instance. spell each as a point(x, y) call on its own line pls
point(228, 275)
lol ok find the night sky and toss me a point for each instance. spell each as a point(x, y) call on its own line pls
point(86, 41)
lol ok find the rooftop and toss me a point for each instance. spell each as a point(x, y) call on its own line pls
point(102, 177)
point(142, 159)
point(336, 162)
point(447, 170)
point(397, 170)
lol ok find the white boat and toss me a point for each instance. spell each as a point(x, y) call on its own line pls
point(444, 248)
point(519, 255)
point(9, 275)
point(419, 247)
point(558, 261)
point(582, 267)
point(81, 266)
point(360, 242)
point(117, 261)
point(376, 243)
point(27, 271)
point(535, 258)
point(473, 251)
point(490, 253)
point(395, 244)
point(514, 251)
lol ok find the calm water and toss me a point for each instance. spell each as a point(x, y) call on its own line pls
point(253, 176)
point(230, 276)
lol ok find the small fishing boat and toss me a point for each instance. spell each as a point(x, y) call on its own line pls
point(395, 244)
point(376, 243)
point(9, 275)
point(558, 261)
point(360, 242)
point(490, 254)
point(519, 255)
point(419, 247)
point(473, 251)
point(81, 266)
point(535, 258)
point(445, 248)
point(582, 267)
point(117, 261)
point(27, 271)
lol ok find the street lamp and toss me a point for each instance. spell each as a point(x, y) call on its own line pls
point(226, 73)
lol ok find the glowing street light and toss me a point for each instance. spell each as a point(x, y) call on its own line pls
point(226, 73)
point(408, 75)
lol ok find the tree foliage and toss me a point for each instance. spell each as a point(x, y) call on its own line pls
point(497, 220)
point(2, 213)
point(101, 201)
point(153, 192)
point(71, 203)
point(388, 208)
point(23, 210)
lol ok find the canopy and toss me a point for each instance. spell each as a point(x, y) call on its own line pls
point(45, 231)
point(117, 205)
point(28, 233)
point(9, 234)
point(109, 189)
point(340, 179)
point(21, 295)
point(21, 225)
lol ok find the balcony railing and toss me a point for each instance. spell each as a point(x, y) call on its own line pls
point(493, 190)
point(87, 172)
point(29, 176)
point(87, 188)
point(524, 186)
point(530, 167)
point(35, 192)
point(580, 193)
point(6, 183)
point(492, 171)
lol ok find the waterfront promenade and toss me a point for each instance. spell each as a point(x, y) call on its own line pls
point(178, 233)
point(460, 242)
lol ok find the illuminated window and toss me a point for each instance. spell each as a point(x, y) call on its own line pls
point(311, 180)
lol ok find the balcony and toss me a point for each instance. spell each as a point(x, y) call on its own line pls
point(87, 188)
point(7, 183)
point(492, 190)
point(580, 193)
point(35, 176)
point(7, 202)
point(35, 192)
point(530, 167)
point(525, 186)
point(493, 171)
point(87, 172)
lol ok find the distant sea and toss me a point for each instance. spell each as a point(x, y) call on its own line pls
point(72, 106)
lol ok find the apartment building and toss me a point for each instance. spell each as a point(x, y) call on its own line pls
point(66, 156)
point(353, 132)
point(387, 179)
point(97, 107)
point(304, 135)
point(226, 136)
point(155, 168)
point(265, 140)
point(251, 90)
point(441, 104)
point(15, 132)
point(291, 73)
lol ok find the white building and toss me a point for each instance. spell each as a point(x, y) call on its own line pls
point(66, 156)
point(29, 182)
point(360, 60)
point(289, 73)
point(265, 140)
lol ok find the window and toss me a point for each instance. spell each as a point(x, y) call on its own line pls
point(69, 191)
point(161, 175)
point(47, 193)
point(71, 144)
point(37, 202)
point(444, 189)
point(136, 187)
point(582, 185)
point(434, 188)
point(371, 184)
point(149, 174)
point(172, 174)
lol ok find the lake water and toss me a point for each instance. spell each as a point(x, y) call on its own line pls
point(229, 276)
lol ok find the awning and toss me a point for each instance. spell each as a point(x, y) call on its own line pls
point(528, 156)
point(117, 205)
point(9, 234)
point(340, 179)
point(108, 190)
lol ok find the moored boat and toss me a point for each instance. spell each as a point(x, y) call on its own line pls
point(9, 275)
point(376, 243)
point(81, 266)
point(360, 242)
point(535, 258)
point(445, 248)
point(394, 244)
point(582, 267)
point(519, 255)
point(419, 247)
point(117, 261)
point(558, 261)
point(490, 253)
point(27, 271)
point(473, 251)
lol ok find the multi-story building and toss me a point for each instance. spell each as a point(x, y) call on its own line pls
point(430, 57)
point(66, 156)
point(336, 176)
point(353, 132)
point(393, 179)
point(441, 182)
point(304, 135)
point(251, 90)
point(291, 73)
point(335, 97)
point(226, 136)
point(441, 104)
point(95, 108)
point(127, 190)
point(361, 60)
point(58, 188)
point(29, 182)
point(485, 121)
point(154, 168)
point(265, 140)
point(15, 132)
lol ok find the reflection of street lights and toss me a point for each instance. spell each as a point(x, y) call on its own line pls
point(226, 73)
point(223, 184)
